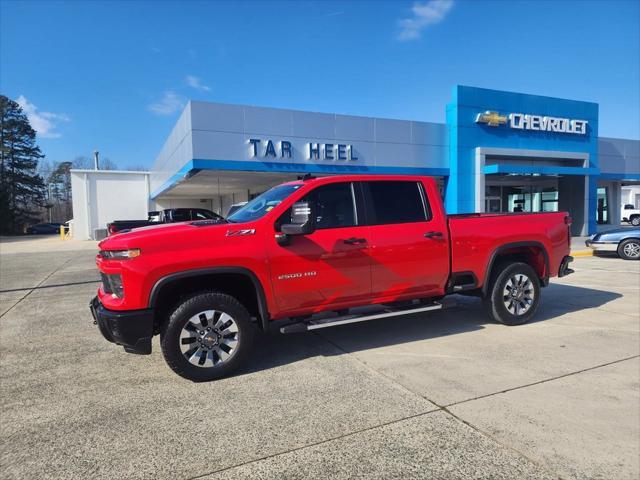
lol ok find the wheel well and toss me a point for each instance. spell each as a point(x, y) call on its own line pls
point(630, 238)
point(533, 255)
point(238, 285)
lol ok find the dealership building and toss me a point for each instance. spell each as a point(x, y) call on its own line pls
point(496, 151)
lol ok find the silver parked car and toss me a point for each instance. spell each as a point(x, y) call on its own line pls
point(624, 241)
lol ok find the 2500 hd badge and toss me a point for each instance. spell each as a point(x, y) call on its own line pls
point(290, 276)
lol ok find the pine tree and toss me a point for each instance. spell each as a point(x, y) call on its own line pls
point(22, 190)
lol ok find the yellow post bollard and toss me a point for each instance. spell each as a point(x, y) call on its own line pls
point(61, 232)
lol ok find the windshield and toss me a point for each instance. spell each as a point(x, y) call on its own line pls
point(262, 204)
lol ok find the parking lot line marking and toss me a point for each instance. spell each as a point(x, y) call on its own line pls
point(49, 286)
point(543, 381)
point(39, 284)
point(314, 444)
point(443, 408)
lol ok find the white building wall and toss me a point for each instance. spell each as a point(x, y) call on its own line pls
point(101, 196)
point(631, 195)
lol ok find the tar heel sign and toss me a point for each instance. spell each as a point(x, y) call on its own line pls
point(283, 149)
point(540, 123)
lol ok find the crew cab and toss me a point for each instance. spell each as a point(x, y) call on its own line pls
point(315, 253)
point(168, 215)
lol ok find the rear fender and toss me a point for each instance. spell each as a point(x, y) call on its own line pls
point(532, 253)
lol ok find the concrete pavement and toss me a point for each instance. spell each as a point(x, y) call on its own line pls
point(445, 395)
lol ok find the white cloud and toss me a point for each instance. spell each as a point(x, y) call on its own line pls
point(424, 14)
point(168, 105)
point(44, 123)
point(196, 82)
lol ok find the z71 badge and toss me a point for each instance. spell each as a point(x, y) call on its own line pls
point(291, 276)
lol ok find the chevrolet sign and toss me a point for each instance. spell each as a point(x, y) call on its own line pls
point(526, 121)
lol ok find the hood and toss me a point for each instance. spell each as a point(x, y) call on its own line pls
point(619, 233)
point(165, 234)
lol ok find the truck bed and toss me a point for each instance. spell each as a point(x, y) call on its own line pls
point(476, 237)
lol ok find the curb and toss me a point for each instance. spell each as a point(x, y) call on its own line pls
point(582, 253)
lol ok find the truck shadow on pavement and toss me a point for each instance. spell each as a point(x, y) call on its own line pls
point(274, 349)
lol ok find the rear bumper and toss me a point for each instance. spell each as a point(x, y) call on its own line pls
point(132, 329)
point(564, 269)
point(602, 246)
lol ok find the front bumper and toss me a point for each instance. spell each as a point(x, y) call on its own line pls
point(602, 246)
point(132, 329)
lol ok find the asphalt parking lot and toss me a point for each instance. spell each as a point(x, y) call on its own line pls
point(444, 395)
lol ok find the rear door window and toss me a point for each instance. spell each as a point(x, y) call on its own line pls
point(391, 202)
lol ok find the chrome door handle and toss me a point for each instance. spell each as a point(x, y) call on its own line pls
point(355, 241)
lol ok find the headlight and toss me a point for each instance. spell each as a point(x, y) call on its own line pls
point(120, 254)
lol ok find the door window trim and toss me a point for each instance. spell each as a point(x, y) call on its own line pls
point(426, 208)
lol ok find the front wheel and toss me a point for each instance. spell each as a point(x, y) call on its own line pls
point(629, 249)
point(635, 220)
point(208, 336)
point(514, 294)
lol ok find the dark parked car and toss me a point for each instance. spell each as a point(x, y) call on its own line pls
point(44, 229)
point(170, 215)
point(624, 241)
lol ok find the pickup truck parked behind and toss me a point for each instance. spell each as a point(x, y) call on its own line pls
point(316, 253)
point(631, 214)
point(170, 215)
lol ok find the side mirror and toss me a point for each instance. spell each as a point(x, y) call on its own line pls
point(303, 219)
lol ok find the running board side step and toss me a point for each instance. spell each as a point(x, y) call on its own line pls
point(355, 318)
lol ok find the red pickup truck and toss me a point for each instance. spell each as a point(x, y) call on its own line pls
point(315, 253)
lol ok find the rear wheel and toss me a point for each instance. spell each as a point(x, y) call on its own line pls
point(635, 220)
point(514, 294)
point(207, 337)
point(629, 249)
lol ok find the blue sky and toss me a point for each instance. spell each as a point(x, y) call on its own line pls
point(115, 75)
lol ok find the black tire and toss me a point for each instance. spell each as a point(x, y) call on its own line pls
point(635, 220)
point(629, 249)
point(495, 300)
point(180, 321)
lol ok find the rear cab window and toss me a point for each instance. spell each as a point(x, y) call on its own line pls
point(396, 202)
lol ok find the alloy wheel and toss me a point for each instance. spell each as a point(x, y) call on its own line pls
point(632, 250)
point(518, 294)
point(209, 338)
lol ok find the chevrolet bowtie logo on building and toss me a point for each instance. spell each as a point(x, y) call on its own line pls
point(527, 121)
point(493, 119)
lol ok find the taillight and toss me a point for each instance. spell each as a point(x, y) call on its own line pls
point(568, 220)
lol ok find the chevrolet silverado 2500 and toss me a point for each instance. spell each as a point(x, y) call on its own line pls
point(315, 253)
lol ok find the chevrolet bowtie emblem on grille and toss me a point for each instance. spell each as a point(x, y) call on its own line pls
point(493, 119)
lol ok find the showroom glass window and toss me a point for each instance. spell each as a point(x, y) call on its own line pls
point(602, 210)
